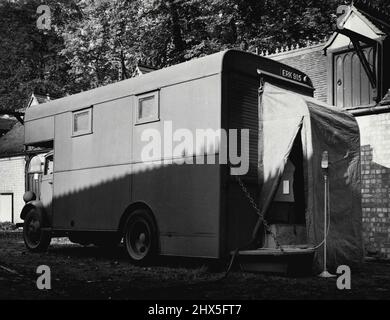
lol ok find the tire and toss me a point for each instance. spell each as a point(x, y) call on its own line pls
point(34, 238)
point(140, 236)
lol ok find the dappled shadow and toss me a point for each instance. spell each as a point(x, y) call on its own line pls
point(188, 203)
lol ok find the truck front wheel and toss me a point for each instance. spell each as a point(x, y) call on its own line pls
point(140, 236)
point(35, 239)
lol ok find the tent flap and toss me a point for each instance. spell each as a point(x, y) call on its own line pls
point(323, 128)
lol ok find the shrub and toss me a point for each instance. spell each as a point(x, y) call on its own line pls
point(6, 226)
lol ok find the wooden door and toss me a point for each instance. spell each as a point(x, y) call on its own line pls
point(351, 85)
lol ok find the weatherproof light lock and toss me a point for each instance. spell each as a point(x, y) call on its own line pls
point(324, 166)
point(325, 160)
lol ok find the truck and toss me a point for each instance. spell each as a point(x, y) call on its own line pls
point(93, 184)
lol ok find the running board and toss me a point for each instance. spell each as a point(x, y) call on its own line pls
point(291, 261)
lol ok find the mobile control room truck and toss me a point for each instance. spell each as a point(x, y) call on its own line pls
point(95, 187)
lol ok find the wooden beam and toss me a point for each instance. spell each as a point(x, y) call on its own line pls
point(370, 72)
point(20, 118)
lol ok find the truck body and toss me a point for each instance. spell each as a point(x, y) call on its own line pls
point(95, 176)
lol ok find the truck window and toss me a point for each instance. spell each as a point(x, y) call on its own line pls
point(49, 165)
point(36, 164)
point(82, 122)
point(147, 107)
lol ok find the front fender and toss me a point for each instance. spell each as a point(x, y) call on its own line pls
point(34, 204)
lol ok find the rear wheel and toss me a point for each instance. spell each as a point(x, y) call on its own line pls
point(35, 239)
point(140, 236)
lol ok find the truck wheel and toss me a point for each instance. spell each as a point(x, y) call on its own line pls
point(140, 236)
point(34, 238)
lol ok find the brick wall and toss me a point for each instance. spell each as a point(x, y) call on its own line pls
point(12, 181)
point(375, 152)
point(311, 61)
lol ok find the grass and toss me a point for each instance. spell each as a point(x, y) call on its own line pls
point(7, 226)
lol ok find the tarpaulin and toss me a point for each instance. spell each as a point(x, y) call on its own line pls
point(283, 115)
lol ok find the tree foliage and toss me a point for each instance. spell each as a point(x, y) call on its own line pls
point(95, 42)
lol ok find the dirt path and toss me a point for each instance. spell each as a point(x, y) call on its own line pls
point(90, 273)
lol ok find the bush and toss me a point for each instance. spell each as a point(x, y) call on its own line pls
point(6, 226)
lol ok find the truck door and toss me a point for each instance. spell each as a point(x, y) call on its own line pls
point(47, 183)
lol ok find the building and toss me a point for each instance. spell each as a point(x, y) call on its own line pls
point(12, 165)
point(350, 71)
point(12, 182)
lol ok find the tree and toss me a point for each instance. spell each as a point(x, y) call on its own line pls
point(95, 42)
point(29, 60)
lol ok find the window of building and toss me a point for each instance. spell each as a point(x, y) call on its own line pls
point(147, 107)
point(36, 164)
point(82, 122)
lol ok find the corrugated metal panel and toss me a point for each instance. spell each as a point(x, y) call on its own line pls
point(243, 106)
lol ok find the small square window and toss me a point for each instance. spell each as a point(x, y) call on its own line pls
point(147, 107)
point(82, 122)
